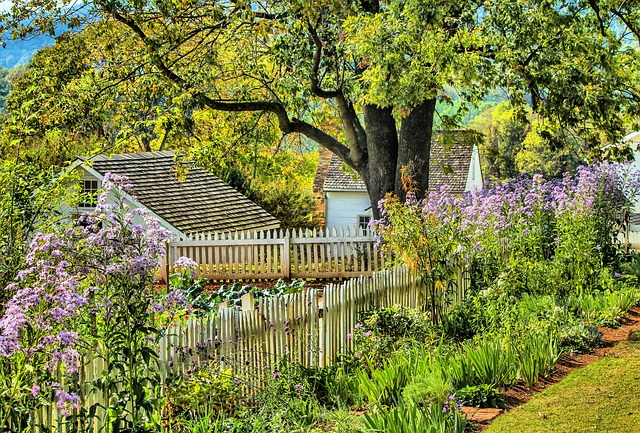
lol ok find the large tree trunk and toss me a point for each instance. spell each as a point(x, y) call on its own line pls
point(388, 156)
point(415, 148)
point(382, 153)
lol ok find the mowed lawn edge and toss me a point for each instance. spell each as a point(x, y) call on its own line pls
point(601, 397)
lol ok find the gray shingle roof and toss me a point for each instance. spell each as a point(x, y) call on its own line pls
point(199, 203)
point(449, 165)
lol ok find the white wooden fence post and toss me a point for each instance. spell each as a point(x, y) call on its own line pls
point(286, 257)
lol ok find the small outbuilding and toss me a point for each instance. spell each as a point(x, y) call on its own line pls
point(342, 195)
point(185, 199)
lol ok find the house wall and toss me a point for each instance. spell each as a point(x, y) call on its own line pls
point(474, 177)
point(342, 208)
point(633, 140)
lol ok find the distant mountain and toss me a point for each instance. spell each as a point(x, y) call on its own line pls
point(20, 52)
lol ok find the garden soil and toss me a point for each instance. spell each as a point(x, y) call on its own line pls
point(520, 393)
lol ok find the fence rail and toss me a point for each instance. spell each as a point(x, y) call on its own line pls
point(337, 253)
point(311, 328)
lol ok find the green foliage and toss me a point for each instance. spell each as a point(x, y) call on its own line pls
point(515, 144)
point(537, 356)
point(207, 390)
point(234, 292)
point(411, 418)
point(427, 243)
point(381, 332)
point(631, 269)
point(491, 362)
point(383, 386)
point(481, 396)
point(536, 276)
point(430, 385)
point(580, 339)
point(605, 308)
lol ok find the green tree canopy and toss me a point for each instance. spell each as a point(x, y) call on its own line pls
point(362, 77)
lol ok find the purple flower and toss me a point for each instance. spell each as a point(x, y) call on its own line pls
point(66, 402)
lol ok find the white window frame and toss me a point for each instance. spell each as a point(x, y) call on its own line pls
point(359, 223)
point(84, 190)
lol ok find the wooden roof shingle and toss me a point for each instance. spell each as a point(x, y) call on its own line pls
point(449, 165)
point(200, 203)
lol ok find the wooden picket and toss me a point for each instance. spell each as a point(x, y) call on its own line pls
point(336, 253)
point(311, 328)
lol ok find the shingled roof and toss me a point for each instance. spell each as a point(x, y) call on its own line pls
point(199, 203)
point(449, 165)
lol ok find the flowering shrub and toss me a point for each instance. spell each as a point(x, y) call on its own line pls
point(520, 234)
point(87, 293)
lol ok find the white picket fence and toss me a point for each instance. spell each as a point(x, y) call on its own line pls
point(631, 237)
point(343, 252)
point(311, 328)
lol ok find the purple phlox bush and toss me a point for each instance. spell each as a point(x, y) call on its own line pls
point(79, 282)
point(65, 402)
point(47, 299)
point(568, 218)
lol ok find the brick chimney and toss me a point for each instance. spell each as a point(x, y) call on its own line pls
point(318, 182)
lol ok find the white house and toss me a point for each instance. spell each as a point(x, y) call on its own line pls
point(198, 203)
point(343, 197)
point(633, 140)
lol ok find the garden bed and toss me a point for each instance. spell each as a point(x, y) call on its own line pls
point(521, 394)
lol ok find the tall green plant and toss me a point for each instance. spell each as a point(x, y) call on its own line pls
point(411, 418)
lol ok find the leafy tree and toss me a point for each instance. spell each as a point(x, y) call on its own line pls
point(515, 144)
point(63, 90)
point(63, 103)
point(274, 173)
point(537, 157)
point(362, 77)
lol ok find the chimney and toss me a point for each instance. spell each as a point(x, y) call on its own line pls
point(324, 158)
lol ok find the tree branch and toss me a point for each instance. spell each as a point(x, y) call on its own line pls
point(317, 56)
point(356, 135)
point(285, 124)
point(634, 29)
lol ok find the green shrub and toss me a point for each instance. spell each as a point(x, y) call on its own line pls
point(580, 339)
point(381, 332)
point(605, 308)
point(383, 386)
point(481, 396)
point(631, 269)
point(535, 276)
point(207, 390)
point(432, 387)
point(332, 386)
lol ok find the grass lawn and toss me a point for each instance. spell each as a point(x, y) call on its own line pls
point(601, 397)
